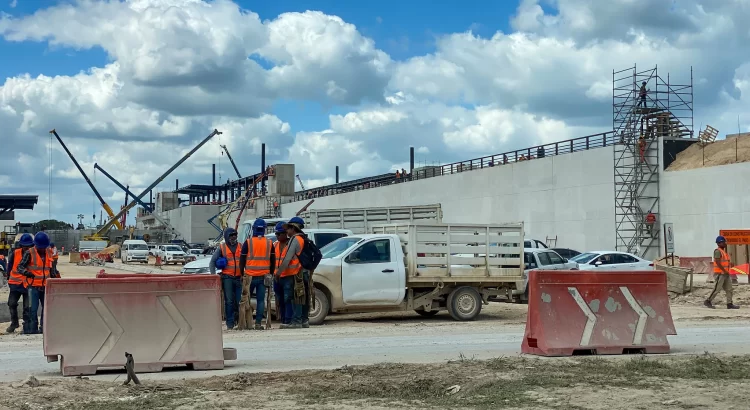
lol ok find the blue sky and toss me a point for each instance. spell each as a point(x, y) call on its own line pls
point(337, 100)
point(401, 28)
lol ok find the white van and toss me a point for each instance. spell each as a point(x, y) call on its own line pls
point(134, 250)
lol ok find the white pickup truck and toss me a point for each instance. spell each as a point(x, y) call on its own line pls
point(422, 267)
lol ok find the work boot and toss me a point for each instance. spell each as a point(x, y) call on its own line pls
point(258, 326)
point(294, 326)
point(732, 306)
point(306, 324)
point(12, 328)
point(708, 304)
point(283, 326)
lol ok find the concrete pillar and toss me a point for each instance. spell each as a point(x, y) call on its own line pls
point(337, 174)
point(411, 159)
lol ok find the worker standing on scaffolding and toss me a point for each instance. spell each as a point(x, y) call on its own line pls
point(642, 148)
point(642, 94)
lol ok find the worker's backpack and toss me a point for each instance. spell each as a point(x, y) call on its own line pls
point(310, 256)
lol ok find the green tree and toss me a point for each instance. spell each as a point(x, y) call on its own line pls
point(52, 224)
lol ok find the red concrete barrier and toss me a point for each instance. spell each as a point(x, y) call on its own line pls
point(163, 320)
point(574, 312)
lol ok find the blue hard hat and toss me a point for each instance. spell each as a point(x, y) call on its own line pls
point(720, 239)
point(259, 226)
point(279, 227)
point(221, 263)
point(26, 240)
point(41, 240)
point(51, 244)
point(299, 222)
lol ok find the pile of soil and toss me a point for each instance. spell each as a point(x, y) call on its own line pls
point(722, 152)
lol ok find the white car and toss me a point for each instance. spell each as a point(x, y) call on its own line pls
point(171, 254)
point(611, 261)
point(540, 259)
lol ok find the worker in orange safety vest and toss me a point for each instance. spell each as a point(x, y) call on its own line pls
point(37, 265)
point(227, 258)
point(255, 261)
point(721, 272)
point(18, 285)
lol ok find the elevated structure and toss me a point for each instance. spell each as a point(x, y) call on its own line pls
point(10, 203)
point(647, 108)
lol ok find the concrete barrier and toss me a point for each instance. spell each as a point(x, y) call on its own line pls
point(163, 320)
point(574, 312)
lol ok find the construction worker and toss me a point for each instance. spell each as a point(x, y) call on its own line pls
point(54, 254)
point(642, 148)
point(255, 262)
point(18, 285)
point(228, 255)
point(650, 222)
point(293, 280)
point(721, 272)
point(642, 93)
point(36, 265)
point(281, 241)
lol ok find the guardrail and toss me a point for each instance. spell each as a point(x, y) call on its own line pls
point(540, 151)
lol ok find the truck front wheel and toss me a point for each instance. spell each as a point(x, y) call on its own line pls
point(320, 311)
point(464, 303)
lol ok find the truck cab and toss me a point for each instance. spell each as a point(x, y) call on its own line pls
point(172, 254)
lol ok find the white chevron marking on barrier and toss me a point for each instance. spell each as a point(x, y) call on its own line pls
point(588, 330)
point(115, 330)
point(183, 326)
point(642, 316)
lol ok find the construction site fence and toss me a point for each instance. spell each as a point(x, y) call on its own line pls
point(588, 142)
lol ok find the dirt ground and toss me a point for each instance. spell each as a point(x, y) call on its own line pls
point(717, 153)
point(705, 382)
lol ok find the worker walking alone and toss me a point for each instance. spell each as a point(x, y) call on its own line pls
point(284, 315)
point(37, 265)
point(227, 258)
point(18, 285)
point(292, 277)
point(255, 262)
point(721, 272)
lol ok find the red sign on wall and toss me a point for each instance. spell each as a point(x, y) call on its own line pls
point(736, 236)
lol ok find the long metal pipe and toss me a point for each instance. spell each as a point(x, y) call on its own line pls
point(107, 226)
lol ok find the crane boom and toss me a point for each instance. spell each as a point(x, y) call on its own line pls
point(136, 199)
point(107, 226)
point(88, 181)
point(232, 161)
point(300, 182)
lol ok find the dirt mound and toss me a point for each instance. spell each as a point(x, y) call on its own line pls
point(740, 294)
point(717, 153)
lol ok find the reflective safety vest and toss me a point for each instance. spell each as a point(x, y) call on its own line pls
point(233, 260)
point(41, 268)
point(725, 261)
point(53, 253)
point(16, 278)
point(279, 259)
point(294, 266)
point(258, 256)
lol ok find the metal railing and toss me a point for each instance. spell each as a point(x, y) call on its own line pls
point(593, 141)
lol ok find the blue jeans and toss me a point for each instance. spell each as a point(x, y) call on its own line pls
point(292, 310)
point(257, 286)
point(279, 291)
point(232, 294)
point(37, 298)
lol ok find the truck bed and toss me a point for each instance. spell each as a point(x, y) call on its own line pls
point(466, 253)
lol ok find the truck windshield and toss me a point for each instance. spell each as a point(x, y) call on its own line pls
point(338, 246)
point(138, 247)
point(173, 249)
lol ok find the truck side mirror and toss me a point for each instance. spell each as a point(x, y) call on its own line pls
point(353, 257)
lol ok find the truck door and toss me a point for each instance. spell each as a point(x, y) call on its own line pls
point(370, 275)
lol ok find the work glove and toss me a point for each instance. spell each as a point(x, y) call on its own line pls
point(268, 280)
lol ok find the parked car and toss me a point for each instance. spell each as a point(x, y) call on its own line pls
point(566, 253)
point(611, 260)
point(134, 250)
point(171, 254)
point(540, 259)
point(195, 254)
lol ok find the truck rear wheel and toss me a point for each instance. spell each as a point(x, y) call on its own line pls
point(464, 303)
point(320, 311)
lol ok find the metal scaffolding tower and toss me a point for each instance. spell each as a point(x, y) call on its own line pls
point(646, 109)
